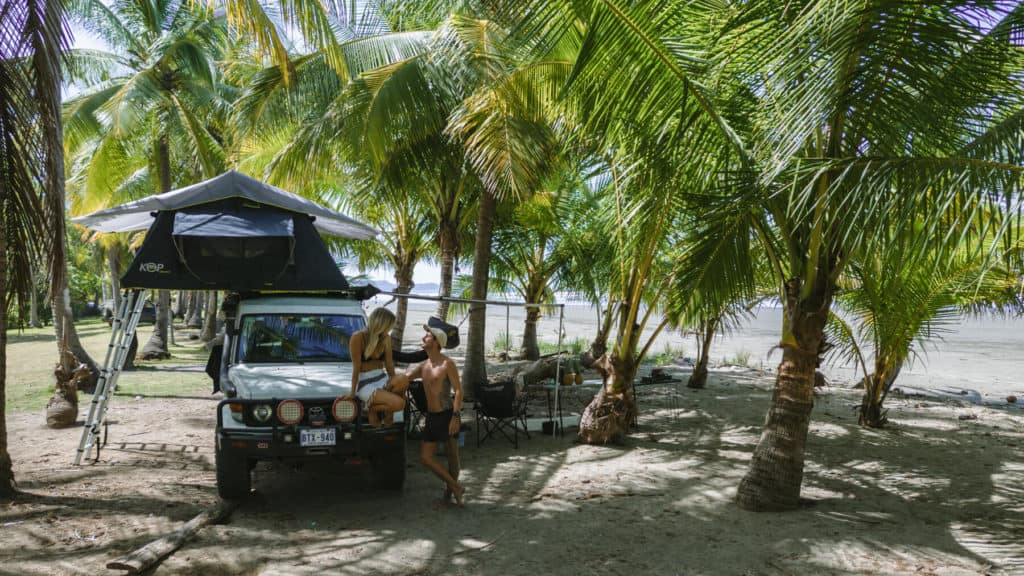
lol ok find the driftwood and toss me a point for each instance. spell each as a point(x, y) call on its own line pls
point(536, 372)
point(142, 559)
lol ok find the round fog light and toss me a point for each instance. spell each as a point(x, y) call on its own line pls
point(344, 410)
point(262, 412)
point(289, 412)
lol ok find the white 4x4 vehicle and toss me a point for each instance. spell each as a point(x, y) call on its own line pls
point(284, 368)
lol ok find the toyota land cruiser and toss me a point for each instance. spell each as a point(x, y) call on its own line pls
point(284, 369)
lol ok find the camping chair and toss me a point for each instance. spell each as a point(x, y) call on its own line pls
point(417, 404)
point(499, 409)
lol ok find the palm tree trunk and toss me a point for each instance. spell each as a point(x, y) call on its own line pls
point(48, 79)
point(6, 466)
point(33, 305)
point(196, 306)
point(170, 320)
point(448, 244)
point(531, 351)
point(178, 309)
point(156, 347)
point(403, 279)
point(475, 370)
point(699, 377)
point(607, 417)
point(599, 346)
point(114, 264)
point(210, 323)
point(777, 466)
point(871, 413)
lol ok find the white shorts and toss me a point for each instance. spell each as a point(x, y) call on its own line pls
point(370, 382)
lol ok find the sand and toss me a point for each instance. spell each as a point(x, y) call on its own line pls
point(939, 492)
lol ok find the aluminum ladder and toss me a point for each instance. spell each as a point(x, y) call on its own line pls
point(121, 334)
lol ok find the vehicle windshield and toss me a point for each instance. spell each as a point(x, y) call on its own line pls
point(276, 338)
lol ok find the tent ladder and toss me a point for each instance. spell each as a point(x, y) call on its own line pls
point(121, 335)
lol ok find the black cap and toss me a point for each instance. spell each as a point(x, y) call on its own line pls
point(452, 332)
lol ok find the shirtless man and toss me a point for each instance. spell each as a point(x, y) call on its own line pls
point(440, 379)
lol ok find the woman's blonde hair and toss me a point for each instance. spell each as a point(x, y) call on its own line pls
point(381, 321)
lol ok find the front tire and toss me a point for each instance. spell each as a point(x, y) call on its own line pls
point(234, 478)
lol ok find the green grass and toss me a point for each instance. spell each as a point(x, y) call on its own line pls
point(741, 358)
point(32, 355)
point(667, 356)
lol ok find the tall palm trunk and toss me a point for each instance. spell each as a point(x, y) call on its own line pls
point(607, 417)
point(156, 347)
point(178, 308)
point(114, 264)
point(777, 466)
point(197, 304)
point(699, 377)
point(475, 370)
point(6, 466)
point(33, 305)
point(449, 245)
point(405, 284)
point(47, 66)
point(210, 322)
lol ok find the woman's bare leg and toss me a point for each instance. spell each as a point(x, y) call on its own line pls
point(388, 402)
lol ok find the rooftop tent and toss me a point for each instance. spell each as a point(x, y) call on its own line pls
point(230, 233)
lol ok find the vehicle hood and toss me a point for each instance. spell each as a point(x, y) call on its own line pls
point(314, 380)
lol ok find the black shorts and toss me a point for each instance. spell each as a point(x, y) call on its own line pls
point(436, 427)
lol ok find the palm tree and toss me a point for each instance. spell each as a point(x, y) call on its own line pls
point(898, 300)
point(405, 240)
point(441, 102)
point(367, 119)
point(839, 121)
point(530, 252)
point(31, 160)
point(155, 116)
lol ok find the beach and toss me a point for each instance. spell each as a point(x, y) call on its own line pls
point(983, 356)
point(937, 492)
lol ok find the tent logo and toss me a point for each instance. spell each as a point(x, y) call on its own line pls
point(151, 267)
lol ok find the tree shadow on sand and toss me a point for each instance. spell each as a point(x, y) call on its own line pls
point(660, 503)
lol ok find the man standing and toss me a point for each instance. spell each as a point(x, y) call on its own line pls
point(440, 381)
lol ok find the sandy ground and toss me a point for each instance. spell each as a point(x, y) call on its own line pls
point(940, 492)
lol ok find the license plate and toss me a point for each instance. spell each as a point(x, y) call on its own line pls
point(317, 437)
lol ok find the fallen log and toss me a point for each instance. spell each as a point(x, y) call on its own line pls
point(151, 554)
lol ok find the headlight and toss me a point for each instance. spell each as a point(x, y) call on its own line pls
point(236, 411)
point(289, 412)
point(262, 412)
point(344, 410)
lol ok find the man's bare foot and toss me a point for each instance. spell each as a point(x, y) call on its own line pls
point(459, 493)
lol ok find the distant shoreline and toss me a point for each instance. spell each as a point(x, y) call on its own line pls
point(979, 354)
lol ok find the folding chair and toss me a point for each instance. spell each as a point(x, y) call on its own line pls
point(499, 409)
point(417, 405)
